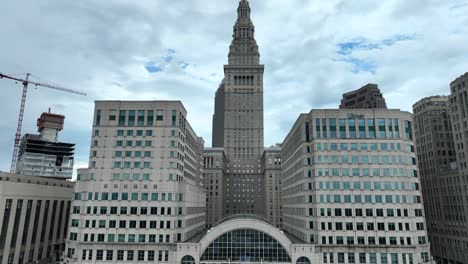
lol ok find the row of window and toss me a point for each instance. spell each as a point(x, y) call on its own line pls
point(350, 240)
point(136, 115)
point(353, 128)
point(153, 224)
point(366, 185)
point(129, 255)
point(371, 258)
point(138, 133)
point(363, 159)
point(113, 210)
point(369, 212)
point(379, 199)
point(124, 238)
point(136, 154)
point(128, 165)
point(366, 172)
point(134, 196)
point(360, 146)
point(370, 226)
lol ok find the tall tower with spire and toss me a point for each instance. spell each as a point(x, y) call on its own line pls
point(238, 118)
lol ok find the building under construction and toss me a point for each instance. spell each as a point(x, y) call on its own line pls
point(42, 154)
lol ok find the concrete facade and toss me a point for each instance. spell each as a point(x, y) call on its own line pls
point(144, 188)
point(34, 213)
point(439, 177)
point(458, 109)
point(214, 164)
point(271, 171)
point(351, 186)
point(366, 97)
point(238, 119)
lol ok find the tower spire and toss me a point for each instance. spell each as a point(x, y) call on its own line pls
point(244, 49)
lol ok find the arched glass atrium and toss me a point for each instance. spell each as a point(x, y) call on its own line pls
point(245, 245)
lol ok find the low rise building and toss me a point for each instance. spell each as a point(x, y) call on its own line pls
point(34, 214)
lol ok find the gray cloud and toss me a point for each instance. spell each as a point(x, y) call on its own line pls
point(102, 48)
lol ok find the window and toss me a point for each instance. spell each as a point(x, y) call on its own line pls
point(218, 251)
point(109, 254)
point(120, 254)
point(99, 254)
point(141, 255)
point(130, 255)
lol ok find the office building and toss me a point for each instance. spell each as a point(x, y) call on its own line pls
point(34, 213)
point(238, 119)
point(144, 189)
point(271, 171)
point(458, 109)
point(351, 186)
point(43, 155)
point(214, 164)
point(439, 178)
point(366, 97)
point(459, 118)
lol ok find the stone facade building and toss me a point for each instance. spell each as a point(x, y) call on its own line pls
point(214, 164)
point(351, 186)
point(271, 171)
point(439, 175)
point(34, 214)
point(366, 97)
point(144, 188)
point(458, 109)
point(238, 119)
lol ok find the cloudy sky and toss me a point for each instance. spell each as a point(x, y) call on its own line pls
point(313, 52)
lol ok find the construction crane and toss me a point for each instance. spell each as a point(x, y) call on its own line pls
point(25, 83)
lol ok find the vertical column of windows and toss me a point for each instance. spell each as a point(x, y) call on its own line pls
point(98, 117)
point(362, 128)
point(122, 116)
point(131, 118)
point(332, 123)
point(324, 128)
point(141, 118)
point(59, 224)
point(26, 222)
point(14, 234)
point(150, 118)
point(371, 127)
point(5, 223)
point(352, 127)
point(342, 122)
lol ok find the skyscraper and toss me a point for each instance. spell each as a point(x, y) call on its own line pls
point(238, 118)
point(366, 97)
point(443, 197)
point(458, 109)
